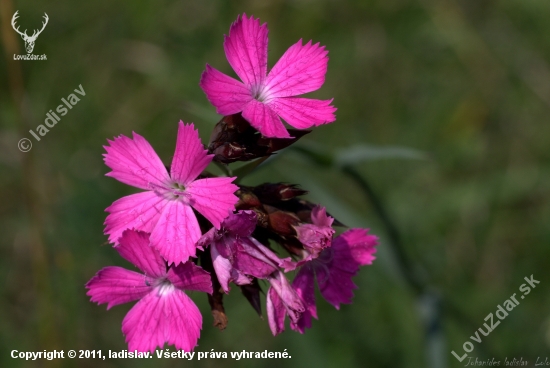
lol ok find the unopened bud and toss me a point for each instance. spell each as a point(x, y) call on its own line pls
point(234, 139)
point(271, 193)
point(281, 222)
point(252, 294)
point(247, 199)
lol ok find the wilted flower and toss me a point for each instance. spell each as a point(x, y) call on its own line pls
point(316, 236)
point(236, 255)
point(282, 300)
point(334, 269)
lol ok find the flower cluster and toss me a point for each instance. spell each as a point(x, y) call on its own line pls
point(188, 230)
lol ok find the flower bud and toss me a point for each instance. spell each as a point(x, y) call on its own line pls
point(247, 199)
point(271, 193)
point(234, 139)
point(281, 222)
point(252, 293)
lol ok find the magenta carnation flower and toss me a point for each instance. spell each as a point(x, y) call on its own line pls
point(164, 313)
point(334, 269)
point(236, 255)
point(265, 98)
point(166, 208)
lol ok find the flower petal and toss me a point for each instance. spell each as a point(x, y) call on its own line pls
point(139, 211)
point(301, 69)
point(241, 224)
point(208, 238)
point(228, 95)
point(159, 318)
point(248, 259)
point(336, 285)
point(188, 276)
point(117, 285)
point(240, 278)
point(134, 247)
point(134, 162)
point(355, 246)
point(190, 157)
point(314, 238)
point(303, 113)
point(319, 217)
point(265, 120)
point(246, 49)
point(291, 301)
point(275, 312)
point(304, 284)
point(214, 198)
point(176, 233)
point(222, 267)
point(281, 300)
point(254, 248)
point(349, 251)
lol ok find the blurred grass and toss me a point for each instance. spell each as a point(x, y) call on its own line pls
point(466, 82)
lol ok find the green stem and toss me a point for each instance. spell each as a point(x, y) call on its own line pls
point(391, 229)
point(225, 168)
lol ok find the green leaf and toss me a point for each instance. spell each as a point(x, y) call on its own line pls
point(357, 154)
point(364, 152)
point(315, 153)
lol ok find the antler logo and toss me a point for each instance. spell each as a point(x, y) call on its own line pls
point(29, 40)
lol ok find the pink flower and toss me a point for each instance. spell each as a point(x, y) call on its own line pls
point(164, 313)
point(236, 255)
point(166, 208)
point(334, 269)
point(317, 236)
point(265, 98)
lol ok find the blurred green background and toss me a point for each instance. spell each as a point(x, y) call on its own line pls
point(463, 85)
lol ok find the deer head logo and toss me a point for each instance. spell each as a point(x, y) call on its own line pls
point(29, 40)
